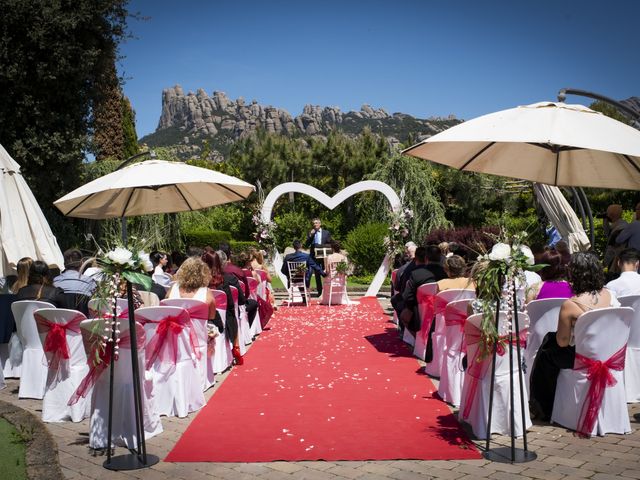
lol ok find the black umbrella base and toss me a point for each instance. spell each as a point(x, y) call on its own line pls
point(503, 455)
point(131, 461)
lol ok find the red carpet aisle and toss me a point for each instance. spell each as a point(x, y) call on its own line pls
point(325, 384)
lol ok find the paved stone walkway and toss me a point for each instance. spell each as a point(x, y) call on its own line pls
point(560, 456)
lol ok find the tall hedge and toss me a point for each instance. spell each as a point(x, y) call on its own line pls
point(365, 246)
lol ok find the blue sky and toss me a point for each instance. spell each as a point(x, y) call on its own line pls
point(423, 58)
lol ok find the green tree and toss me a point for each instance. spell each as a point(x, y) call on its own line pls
point(108, 135)
point(50, 54)
point(130, 137)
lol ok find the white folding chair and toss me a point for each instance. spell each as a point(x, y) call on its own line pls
point(452, 373)
point(64, 375)
point(600, 336)
point(222, 356)
point(474, 402)
point(632, 361)
point(123, 409)
point(438, 337)
point(543, 315)
point(199, 313)
point(298, 292)
point(177, 385)
point(33, 384)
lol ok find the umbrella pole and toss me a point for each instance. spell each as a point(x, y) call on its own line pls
point(139, 459)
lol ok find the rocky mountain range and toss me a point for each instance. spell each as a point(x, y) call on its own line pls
point(188, 119)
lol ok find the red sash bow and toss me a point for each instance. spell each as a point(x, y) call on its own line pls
point(164, 344)
point(55, 343)
point(104, 360)
point(600, 377)
point(197, 312)
point(428, 307)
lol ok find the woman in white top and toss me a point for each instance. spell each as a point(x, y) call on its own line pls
point(192, 281)
point(159, 261)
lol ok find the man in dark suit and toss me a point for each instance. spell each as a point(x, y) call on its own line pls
point(420, 275)
point(300, 256)
point(317, 236)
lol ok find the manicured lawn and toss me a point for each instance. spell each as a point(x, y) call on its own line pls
point(12, 459)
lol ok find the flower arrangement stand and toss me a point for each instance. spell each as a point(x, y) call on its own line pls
point(509, 454)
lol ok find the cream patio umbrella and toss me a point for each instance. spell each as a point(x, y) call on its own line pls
point(24, 231)
point(546, 142)
point(153, 186)
point(562, 216)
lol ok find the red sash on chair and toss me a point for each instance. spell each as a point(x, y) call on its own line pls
point(164, 344)
point(599, 378)
point(220, 298)
point(55, 343)
point(478, 366)
point(104, 356)
point(198, 312)
point(428, 307)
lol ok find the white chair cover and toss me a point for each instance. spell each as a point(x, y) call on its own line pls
point(297, 284)
point(425, 309)
point(474, 405)
point(149, 299)
point(543, 315)
point(177, 388)
point(199, 312)
point(334, 289)
point(63, 382)
point(33, 384)
point(438, 337)
point(394, 274)
point(123, 421)
point(452, 373)
point(11, 357)
point(632, 361)
point(256, 326)
point(599, 335)
point(244, 333)
point(101, 308)
point(222, 357)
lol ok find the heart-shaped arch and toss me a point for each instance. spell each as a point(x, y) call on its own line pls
point(331, 203)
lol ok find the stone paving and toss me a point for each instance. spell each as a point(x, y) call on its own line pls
point(561, 455)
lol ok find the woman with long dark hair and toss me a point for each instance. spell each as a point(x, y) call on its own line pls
point(558, 351)
point(40, 287)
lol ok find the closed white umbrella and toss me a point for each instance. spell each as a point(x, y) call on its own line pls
point(24, 230)
point(547, 142)
point(562, 216)
point(153, 186)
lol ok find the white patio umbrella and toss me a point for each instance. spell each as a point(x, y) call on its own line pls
point(24, 231)
point(153, 186)
point(562, 216)
point(547, 142)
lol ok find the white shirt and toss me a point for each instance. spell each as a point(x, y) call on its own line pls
point(628, 283)
point(318, 237)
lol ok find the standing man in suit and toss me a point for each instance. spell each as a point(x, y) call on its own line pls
point(317, 236)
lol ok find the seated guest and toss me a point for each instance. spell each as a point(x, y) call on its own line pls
point(433, 256)
point(401, 279)
point(456, 268)
point(562, 248)
point(77, 287)
point(223, 281)
point(553, 282)
point(586, 278)
point(192, 281)
point(231, 268)
point(23, 274)
point(39, 287)
point(339, 297)
point(628, 283)
point(160, 262)
point(420, 275)
point(176, 259)
point(299, 256)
